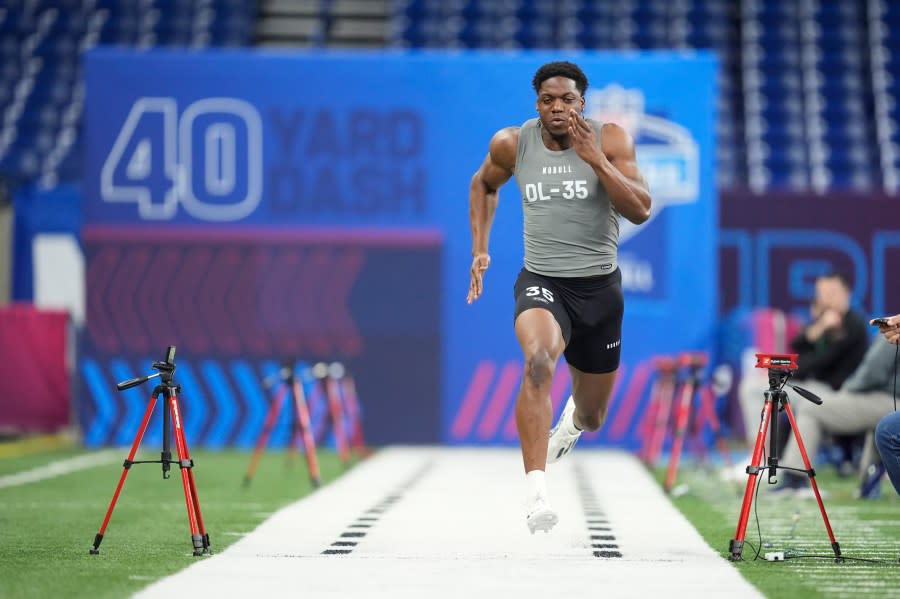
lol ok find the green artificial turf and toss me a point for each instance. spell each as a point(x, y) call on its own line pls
point(865, 530)
point(47, 527)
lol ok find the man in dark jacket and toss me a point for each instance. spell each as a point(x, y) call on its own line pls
point(831, 346)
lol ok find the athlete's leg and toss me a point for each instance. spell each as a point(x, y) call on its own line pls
point(591, 393)
point(584, 410)
point(541, 340)
point(592, 354)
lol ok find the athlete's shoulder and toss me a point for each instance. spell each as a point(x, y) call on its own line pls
point(613, 130)
point(616, 140)
point(506, 135)
point(504, 145)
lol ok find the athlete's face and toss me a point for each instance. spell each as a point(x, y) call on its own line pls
point(556, 97)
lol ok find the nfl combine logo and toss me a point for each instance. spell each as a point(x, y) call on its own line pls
point(666, 151)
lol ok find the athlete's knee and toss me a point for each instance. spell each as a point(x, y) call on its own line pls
point(538, 367)
point(592, 419)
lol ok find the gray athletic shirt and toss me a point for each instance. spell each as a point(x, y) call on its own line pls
point(571, 228)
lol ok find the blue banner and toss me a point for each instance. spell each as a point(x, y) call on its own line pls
point(376, 151)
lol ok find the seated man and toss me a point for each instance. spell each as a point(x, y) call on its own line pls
point(828, 349)
point(855, 408)
point(831, 346)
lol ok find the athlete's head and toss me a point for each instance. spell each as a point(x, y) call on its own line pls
point(560, 87)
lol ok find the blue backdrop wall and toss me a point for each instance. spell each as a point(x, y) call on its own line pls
point(256, 207)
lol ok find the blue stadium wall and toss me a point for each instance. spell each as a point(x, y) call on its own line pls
point(253, 208)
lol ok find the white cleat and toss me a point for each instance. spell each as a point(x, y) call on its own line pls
point(541, 516)
point(561, 440)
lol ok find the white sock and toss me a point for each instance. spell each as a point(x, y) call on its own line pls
point(537, 485)
point(569, 424)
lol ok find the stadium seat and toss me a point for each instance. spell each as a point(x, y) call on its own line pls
point(817, 62)
point(39, 47)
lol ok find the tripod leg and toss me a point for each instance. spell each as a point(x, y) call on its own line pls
point(337, 419)
point(696, 420)
point(263, 438)
point(649, 420)
point(98, 538)
point(196, 497)
point(736, 547)
point(357, 441)
point(296, 436)
point(681, 422)
point(318, 404)
point(186, 480)
point(810, 471)
point(661, 426)
point(309, 443)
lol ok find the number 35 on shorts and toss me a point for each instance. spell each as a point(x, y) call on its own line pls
point(535, 291)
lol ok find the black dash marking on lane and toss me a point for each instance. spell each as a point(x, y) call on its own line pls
point(371, 516)
point(595, 519)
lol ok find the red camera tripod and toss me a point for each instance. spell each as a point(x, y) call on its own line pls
point(776, 399)
point(696, 397)
point(343, 415)
point(287, 382)
point(168, 390)
point(662, 394)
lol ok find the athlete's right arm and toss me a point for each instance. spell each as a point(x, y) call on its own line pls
point(496, 170)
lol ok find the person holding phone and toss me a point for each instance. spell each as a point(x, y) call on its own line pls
point(889, 326)
point(887, 433)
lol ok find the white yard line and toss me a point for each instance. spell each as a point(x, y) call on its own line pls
point(60, 468)
point(423, 522)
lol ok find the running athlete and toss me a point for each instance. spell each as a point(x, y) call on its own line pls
point(576, 177)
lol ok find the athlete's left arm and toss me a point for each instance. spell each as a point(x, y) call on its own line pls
point(615, 163)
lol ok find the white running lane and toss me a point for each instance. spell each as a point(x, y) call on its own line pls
point(60, 468)
point(434, 523)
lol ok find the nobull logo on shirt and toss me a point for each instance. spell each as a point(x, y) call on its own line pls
point(556, 170)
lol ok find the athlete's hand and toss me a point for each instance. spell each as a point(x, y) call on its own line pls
point(584, 138)
point(480, 264)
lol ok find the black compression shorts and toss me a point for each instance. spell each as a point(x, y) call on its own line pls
point(589, 311)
